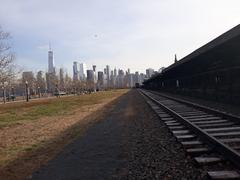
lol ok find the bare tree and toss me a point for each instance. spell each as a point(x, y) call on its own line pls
point(40, 82)
point(28, 77)
point(7, 57)
point(61, 80)
point(68, 84)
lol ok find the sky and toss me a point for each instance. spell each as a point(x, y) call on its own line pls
point(135, 34)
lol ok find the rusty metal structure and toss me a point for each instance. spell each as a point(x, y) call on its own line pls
point(212, 71)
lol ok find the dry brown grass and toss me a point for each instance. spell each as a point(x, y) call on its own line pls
point(28, 143)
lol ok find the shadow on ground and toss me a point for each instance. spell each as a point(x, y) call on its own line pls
point(29, 162)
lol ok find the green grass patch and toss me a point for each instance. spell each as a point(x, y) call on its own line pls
point(33, 110)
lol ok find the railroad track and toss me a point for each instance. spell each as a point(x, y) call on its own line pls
point(210, 136)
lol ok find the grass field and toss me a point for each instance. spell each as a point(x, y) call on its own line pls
point(16, 112)
point(39, 129)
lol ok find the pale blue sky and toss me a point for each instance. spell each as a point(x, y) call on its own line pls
point(122, 33)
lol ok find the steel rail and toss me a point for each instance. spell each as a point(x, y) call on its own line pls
point(234, 118)
point(217, 145)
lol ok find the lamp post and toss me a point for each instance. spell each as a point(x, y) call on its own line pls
point(27, 93)
point(13, 94)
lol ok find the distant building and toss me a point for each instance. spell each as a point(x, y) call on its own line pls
point(149, 72)
point(115, 72)
point(94, 74)
point(82, 71)
point(141, 78)
point(131, 82)
point(75, 71)
point(51, 66)
point(51, 75)
point(108, 75)
point(40, 82)
point(51, 80)
point(100, 79)
point(108, 71)
point(28, 77)
point(90, 76)
point(61, 78)
point(137, 77)
point(94, 68)
point(112, 80)
point(121, 79)
point(91, 80)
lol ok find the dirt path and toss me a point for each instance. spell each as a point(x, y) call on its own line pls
point(97, 155)
point(128, 143)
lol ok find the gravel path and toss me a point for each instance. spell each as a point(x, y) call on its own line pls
point(129, 143)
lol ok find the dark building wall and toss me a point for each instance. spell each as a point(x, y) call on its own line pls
point(212, 74)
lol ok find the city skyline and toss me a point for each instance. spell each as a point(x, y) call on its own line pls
point(56, 80)
point(50, 66)
point(79, 68)
point(136, 35)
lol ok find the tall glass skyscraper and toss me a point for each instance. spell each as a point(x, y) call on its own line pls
point(51, 68)
point(82, 71)
point(75, 70)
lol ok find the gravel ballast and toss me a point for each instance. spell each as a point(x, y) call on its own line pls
point(153, 151)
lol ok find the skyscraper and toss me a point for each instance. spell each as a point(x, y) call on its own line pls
point(149, 72)
point(90, 76)
point(108, 71)
point(108, 75)
point(137, 79)
point(94, 73)
point(100, 79)
point(142, 77)
point(120, 78)
point(105, 80)
point(51, 68)
point(82, 71)
point(61, 78)
point(75, 71)
point(115, 72)
point(51, 74)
